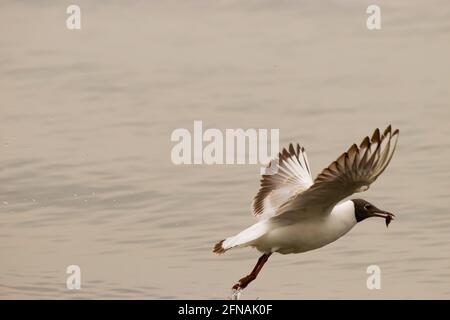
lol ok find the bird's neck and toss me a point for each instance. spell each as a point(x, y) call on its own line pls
point(345, 213)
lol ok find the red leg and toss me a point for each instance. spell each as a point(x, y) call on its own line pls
point(242, 283)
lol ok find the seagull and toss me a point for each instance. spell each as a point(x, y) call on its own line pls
point(298, 214)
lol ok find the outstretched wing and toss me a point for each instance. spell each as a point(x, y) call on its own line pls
point(352, 172)
point(291, 176)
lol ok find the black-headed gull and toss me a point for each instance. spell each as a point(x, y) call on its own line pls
point(297, 214)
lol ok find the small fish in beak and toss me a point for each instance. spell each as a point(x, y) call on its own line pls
point(384, 214)
point(389, 218)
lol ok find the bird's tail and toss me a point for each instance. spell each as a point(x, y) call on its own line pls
point(242, 239)
point(219, 248)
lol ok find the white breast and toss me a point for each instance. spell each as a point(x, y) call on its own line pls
point(309, 234)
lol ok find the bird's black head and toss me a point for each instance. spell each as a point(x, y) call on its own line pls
point(364, 209)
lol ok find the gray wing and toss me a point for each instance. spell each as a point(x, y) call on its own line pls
point(292, 176)
point(354, 171)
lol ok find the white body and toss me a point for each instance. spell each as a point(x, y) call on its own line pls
point(278, 234)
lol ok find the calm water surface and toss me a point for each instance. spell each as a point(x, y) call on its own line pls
point(86, 117)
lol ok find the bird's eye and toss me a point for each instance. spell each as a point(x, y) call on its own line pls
point(367, 206)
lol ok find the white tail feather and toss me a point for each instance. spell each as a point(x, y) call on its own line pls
point(244, 238)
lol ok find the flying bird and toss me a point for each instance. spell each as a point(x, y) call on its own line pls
point(298, 214)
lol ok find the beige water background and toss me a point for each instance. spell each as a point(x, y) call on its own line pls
point(86, 116)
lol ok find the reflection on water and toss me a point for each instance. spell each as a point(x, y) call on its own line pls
point(85, 170)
